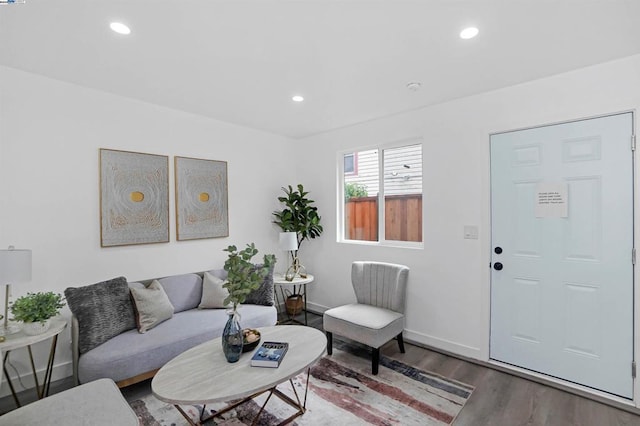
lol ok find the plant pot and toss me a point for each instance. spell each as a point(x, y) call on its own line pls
point(294, 304)
point(35, 328)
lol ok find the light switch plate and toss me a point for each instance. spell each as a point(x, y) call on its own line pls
point(470, 232)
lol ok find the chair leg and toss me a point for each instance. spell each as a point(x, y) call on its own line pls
point(329, 343)
point(375, 360)
point(400, 342)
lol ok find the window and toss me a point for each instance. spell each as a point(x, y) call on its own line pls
point(350, 164)
point(383, 201)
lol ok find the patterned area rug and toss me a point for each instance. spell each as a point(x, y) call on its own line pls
point(342, 391)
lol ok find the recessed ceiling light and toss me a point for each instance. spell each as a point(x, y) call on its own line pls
point(120, 28)
point(468, 33)
point(297, 98)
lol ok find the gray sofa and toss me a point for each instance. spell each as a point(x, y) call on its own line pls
point(131, 356)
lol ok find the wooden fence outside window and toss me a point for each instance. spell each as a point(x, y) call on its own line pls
point(403, 218)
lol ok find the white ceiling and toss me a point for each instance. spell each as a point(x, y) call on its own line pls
point(240, 61)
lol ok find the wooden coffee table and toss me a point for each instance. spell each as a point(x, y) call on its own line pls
point(202, 375)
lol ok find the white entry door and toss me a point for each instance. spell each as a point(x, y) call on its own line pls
point(562, 251)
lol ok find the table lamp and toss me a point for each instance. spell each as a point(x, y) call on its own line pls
point(15, 267)
point(289, 242)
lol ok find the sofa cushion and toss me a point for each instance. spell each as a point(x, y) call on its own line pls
point(263, 295)
point(103, 310)
point(220, 273)
point(184, 291)
point(213, 292)
point(152, 306)
point(131, 353)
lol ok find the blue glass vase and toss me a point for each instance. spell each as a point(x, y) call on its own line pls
point(232, 337)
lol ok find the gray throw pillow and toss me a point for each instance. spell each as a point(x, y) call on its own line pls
point(184, 291)
point(263, 295)
point(152, 306)
point(103, 311)
point(213, 294)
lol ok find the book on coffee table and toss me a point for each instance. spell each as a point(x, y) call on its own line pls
point(269, 354)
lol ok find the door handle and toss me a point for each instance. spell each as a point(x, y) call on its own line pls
point(497, 266)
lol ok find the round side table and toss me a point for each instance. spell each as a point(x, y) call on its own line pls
point(21, 340)
point(298, 286)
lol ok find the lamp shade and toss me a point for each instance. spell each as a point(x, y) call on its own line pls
point(288, 241)
point(15, 266)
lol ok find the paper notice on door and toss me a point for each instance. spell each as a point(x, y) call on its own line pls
point(552, 200)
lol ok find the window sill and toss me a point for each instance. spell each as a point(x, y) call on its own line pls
point(393, 244)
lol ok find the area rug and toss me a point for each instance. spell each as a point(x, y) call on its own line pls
point(342, 391)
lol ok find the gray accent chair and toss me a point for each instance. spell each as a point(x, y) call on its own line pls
point(378, 315)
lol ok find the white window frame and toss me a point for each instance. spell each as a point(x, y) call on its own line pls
point(340, 231)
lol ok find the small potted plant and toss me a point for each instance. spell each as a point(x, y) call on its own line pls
point(35, 311)
point(243, 277)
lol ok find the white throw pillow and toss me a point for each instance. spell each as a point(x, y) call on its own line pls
point(213, 294)
point(152, 306)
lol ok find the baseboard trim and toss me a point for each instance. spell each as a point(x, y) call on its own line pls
point(316, 309)
point(443, 345)
point(59, 372)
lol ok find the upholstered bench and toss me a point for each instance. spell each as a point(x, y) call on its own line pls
point(97, 403)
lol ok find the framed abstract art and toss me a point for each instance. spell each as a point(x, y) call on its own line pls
point(201, 199)
point(134, 198)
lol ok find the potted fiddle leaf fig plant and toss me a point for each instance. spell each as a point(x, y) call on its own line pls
point(35, 310)
point(299, 215)
point(243, 277)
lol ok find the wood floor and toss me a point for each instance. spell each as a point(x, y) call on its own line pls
point(499, 399)
point(503, 399)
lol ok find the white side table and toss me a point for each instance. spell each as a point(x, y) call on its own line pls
point(20, 340)
point(298, 286)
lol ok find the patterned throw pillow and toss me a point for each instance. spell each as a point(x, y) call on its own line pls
point(152, 306)
point(103, 311)
point(263, 295)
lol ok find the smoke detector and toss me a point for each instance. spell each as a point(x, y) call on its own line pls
point(414, 86)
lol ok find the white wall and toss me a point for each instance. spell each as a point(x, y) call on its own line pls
point(50, 133)
point(448, 293)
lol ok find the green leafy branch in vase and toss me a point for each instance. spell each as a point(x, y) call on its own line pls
point(243, 277)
